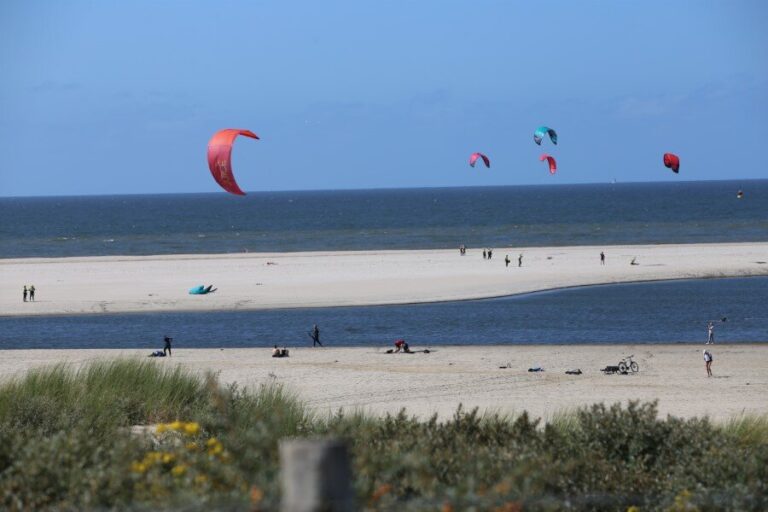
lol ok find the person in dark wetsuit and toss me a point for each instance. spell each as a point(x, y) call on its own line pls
point(602, 258)
point(506, 260)
point(32, 293)
point(520, 260)
point(315, 335)
point(167, 347)
point(25, 293)
point(485, 254)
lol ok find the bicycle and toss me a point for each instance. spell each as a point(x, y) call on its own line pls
point(627, 364)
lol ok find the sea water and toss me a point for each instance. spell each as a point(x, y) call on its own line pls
point(521, 216)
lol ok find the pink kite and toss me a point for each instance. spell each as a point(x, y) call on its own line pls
point(220, 158)
point(551, 161)
point(475, 156)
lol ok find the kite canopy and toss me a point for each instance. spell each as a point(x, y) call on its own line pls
point(551, 161)
point(538, 135)
point(473, 158)
point(672, 161)
point(220, 158)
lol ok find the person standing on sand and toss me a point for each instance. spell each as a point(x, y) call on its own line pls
point(167, 347)
point(506, 260)
point(25, 293)
point(32, 293)
point(708, 362)
point(490, 253)
point(710, 333)
point(602, 258)
point(520, 260)
point(315, 335)
point(485, 254)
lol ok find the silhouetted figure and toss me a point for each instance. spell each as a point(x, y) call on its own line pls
point(490, 253)
point(602, 258)
point(167, 347)
point(32, 293)
point(520, 260)
point(25, 293)
point(315, 335)
point(506, 260)
point(485, 254)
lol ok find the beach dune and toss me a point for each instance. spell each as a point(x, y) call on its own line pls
point(315, 279)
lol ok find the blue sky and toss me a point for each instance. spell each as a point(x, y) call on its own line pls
point(101, 97)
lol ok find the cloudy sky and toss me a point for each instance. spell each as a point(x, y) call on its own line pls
point(122, 97)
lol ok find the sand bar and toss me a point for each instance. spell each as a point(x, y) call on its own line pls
point(315, 279)
point(369, 379)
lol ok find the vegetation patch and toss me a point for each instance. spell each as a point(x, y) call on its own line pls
point(66, 444)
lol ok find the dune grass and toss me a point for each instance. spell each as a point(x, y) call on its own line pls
point(63, 446)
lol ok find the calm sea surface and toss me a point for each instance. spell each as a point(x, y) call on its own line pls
point(385, 219)
point(407, 219)
point(671, 311)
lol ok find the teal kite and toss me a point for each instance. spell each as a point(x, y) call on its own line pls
point(538, 135)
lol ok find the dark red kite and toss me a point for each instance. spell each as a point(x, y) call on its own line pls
point(220, 158)
point(672, 162)
point(475, 156)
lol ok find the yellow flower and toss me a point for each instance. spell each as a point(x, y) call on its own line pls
point(168, 458)
point(152, 458)
point(191, 428)
point(179, 470)
point(176, 425)
point(162, 427)
point(138, 467)
point(211, 442)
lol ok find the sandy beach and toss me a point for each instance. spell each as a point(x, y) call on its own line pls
point(287, 280)
point(371, 380)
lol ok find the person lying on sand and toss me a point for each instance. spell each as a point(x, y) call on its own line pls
point(279, 352)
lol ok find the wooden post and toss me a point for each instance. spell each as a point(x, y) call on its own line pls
point(315, 476)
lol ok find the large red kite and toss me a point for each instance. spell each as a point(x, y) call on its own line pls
point(220, 158)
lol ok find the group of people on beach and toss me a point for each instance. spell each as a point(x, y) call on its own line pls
point(28, 293)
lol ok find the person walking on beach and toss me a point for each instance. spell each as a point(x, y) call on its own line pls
point(602, 258)
point(710, 333)
point(520, 260)
point(708, 362)
point(167, 347)
point(25, 293)
point(32, 293)
point(506, 260)
point(315, 335)
point(485, 254)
